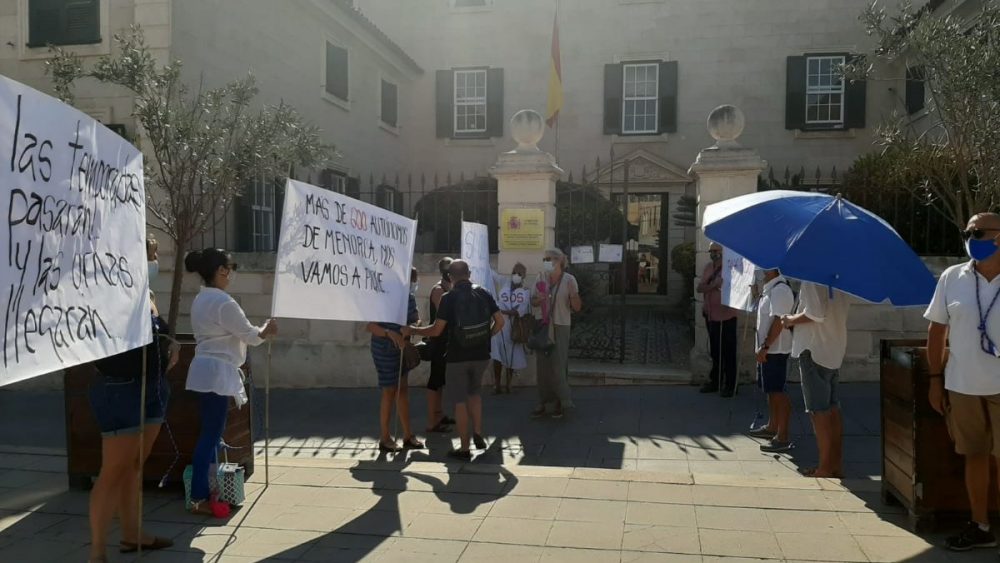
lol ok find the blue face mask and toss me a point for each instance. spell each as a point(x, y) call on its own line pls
point(980, 249)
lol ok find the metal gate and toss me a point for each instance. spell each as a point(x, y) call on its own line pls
point(620, 267)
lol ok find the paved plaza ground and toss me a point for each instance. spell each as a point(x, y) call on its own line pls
point(634, 474)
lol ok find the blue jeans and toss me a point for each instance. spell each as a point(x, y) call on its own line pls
point(213, 423)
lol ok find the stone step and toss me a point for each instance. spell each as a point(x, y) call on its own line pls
point(594, 373)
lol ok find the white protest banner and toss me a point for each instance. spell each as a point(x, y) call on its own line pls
point(581, 255)
point(737, 281)
point(74, 287)
point(341, 259)
point(476, 251)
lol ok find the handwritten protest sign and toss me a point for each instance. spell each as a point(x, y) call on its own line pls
point(476, 251)
point(737, 281)
point(74, 284)
point(341, 259)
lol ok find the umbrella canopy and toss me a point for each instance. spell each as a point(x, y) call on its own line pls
point(822, 239)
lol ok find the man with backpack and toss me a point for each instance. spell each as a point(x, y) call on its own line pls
point(469, 318)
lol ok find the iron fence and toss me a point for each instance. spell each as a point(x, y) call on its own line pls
point(921, 223)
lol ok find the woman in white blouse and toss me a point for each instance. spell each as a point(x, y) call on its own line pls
point(222, 332)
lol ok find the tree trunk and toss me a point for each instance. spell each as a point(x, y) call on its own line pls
point(175, 288)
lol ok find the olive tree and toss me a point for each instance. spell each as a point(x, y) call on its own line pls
point(955, 150)
point(202, 145)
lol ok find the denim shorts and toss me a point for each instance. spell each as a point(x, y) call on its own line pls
point(819, 384)
point(771, 375)
point(115, 402)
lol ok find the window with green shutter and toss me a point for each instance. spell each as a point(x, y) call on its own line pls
point(337, 72)
point(62, 22)
point(818, 97)
point(389, 103)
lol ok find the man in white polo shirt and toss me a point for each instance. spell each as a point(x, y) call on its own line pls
point(774, 344)
point(819, 341)
point(965, 383)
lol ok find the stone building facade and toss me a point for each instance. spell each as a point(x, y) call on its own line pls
point(421, 88)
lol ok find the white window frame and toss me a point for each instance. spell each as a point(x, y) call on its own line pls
point(470, 102)
point(262, 216)
point(389, 198)
point(655, 99)
point(338, 182)
point(835, 62)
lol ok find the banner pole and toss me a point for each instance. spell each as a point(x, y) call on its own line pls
point(142, 448)
point(267, 418)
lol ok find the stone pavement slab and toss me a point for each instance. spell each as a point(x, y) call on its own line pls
point(671, 429)
point(384, 511)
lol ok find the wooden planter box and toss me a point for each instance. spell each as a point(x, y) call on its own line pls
point(920, 469)
point(83, 437)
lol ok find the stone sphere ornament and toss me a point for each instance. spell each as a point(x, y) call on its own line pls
point(725, 124)
point(527, 128)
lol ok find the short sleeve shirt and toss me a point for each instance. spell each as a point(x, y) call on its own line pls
point(448, 312)
point(969, 370)
point(776, 300)
point(562, 313)
point(826, 336)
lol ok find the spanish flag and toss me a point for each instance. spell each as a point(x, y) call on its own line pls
point(555, 78)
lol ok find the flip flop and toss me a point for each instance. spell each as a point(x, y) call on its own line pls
point(808, 471)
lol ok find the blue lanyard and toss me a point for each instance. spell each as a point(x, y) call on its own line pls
point(985, 342)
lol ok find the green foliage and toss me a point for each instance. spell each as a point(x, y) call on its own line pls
point(202, 146)
point(687, 210)
point(953, 158)
point(442, 211)
point(887, 184)
point(585, 216)
point(682, 259)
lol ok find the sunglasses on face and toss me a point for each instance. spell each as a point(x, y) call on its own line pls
point(232, 266)
point(977, 233)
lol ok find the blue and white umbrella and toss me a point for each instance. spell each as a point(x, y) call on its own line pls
point(822, 239)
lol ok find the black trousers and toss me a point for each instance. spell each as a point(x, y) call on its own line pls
point(722, 343)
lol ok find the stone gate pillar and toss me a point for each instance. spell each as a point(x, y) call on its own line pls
point(722, 171)
point(526, 195)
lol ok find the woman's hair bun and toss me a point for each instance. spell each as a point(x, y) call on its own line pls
point(192, 262)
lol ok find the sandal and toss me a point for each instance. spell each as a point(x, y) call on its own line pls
point(389, 448)
point(412, 443)
point(201, 508)
point(538, 413)
point(464, 455)
point(448, 421)
point(157, 543)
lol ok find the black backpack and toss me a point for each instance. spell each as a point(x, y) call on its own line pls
point(472, 321)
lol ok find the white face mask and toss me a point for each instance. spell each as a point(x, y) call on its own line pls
point(414, 287)
point(516, 279)
point(549, 267)
point(154, 269)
